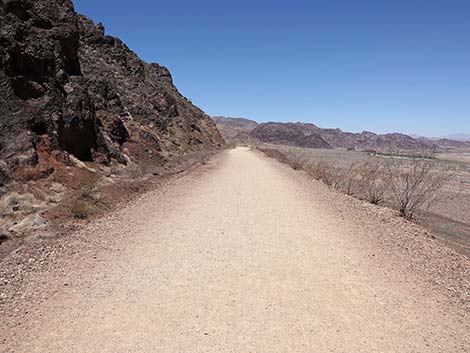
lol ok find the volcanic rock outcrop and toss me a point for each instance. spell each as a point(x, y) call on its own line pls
point(68, 89)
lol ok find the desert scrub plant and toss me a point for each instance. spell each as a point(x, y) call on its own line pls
point(273, 153)
point(373, 181)
point(80, 208)
point(322, 171)
point(138, 119)
point(409, 182)
point(87, 203)
point(348, 180)
point(415, 184)
point(296, 159)
point(83, 203)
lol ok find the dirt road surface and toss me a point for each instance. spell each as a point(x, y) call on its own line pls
point(247, 256)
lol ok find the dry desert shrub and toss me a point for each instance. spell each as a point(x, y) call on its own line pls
point(322, 171)
point(349, 180)
point(373, 181)
point(82, 205)
point(410, 183)
point(415, 183)
point(297, 159)
point(273, 153)
point(80, 208)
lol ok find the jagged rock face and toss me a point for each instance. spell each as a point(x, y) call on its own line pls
point(123, 84)
point(38, 56)
point(70, 89)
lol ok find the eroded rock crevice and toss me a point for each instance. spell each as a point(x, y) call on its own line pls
point(78, 137)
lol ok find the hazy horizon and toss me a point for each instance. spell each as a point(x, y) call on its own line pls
point(398, 66)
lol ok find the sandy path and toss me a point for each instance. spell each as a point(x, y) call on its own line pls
point(244, 258)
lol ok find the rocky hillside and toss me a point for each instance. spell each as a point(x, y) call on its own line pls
point(234, 129)
point(84, 122)
point(371, 141)
point(457, 137)
point(294, 134)
point(70, 91)
point(446, 143)
point(310, 135)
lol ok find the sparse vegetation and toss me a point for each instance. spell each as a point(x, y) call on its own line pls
point(373, 182)
point(80, 208)
point(84, 203)
point(350, 179)
point(400, 155)
point(415, 184)
point(322, 171)
point(409, 184)
point(138, 119)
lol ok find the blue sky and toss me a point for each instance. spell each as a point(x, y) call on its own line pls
point(378, 65)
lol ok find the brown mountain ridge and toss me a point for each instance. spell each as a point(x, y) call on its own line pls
point(312, 136)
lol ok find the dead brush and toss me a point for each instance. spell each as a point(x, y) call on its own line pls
point(373, 182)
point(296, 159)
point(415, 184)
point(273, 153)
point(409, 182)
point(322, 171)
point(349, 180)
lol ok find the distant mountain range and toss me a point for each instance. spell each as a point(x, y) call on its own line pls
point(457, 137)
point(312, 136)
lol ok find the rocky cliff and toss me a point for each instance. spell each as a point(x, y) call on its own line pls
point(68, 90)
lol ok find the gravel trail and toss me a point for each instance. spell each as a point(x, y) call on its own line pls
point(248, 256)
